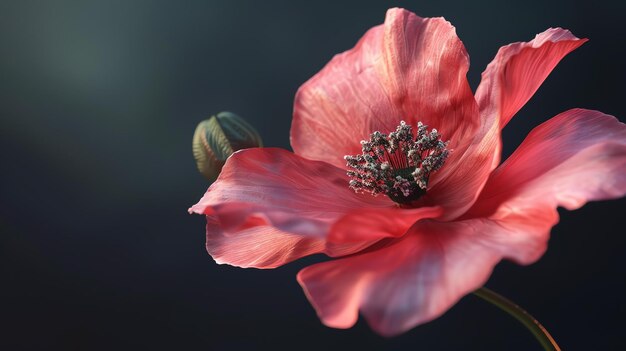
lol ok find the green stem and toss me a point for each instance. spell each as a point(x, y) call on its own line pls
point(514, 310)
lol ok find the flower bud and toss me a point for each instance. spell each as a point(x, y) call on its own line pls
point(217, 138)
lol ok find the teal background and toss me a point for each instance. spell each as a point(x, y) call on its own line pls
point(98, 104)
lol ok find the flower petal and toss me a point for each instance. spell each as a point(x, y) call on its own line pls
point(260, 246)
point(518, 70)
point(411, 68)
point(370, 224)
point(507, 84)
point(269, 206)
point(409, 282)
point(575, 157)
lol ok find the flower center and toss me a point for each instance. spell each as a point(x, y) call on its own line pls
point(399, 164)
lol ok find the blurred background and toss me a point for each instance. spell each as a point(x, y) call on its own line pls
point(98, 104)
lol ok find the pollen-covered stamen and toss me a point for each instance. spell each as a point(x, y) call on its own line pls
point(399, 164)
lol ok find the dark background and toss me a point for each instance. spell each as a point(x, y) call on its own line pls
point(99, 101)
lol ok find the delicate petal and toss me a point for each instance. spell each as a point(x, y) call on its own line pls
point(518, 70)
point(260, 246)
point(371, 224)
point(269, 206)
point(412, 69)
point(575, 157)
point(411, 281)
point(265, 246)
point(457, 185)
point(507, 84)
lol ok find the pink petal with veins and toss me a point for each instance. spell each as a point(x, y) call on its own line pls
point(575, 157)
point(409, 282)
point(272, 200)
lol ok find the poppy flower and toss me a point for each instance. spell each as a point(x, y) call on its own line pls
point(395, 173)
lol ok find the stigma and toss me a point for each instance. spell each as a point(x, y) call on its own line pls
point(397, 164)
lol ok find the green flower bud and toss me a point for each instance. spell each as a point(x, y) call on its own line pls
point(217, 138)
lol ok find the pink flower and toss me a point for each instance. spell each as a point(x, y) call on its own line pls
point(405, 262)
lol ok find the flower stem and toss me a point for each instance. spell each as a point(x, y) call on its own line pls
point(540, 333)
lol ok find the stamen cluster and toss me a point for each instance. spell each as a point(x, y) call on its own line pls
point(399, 164)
